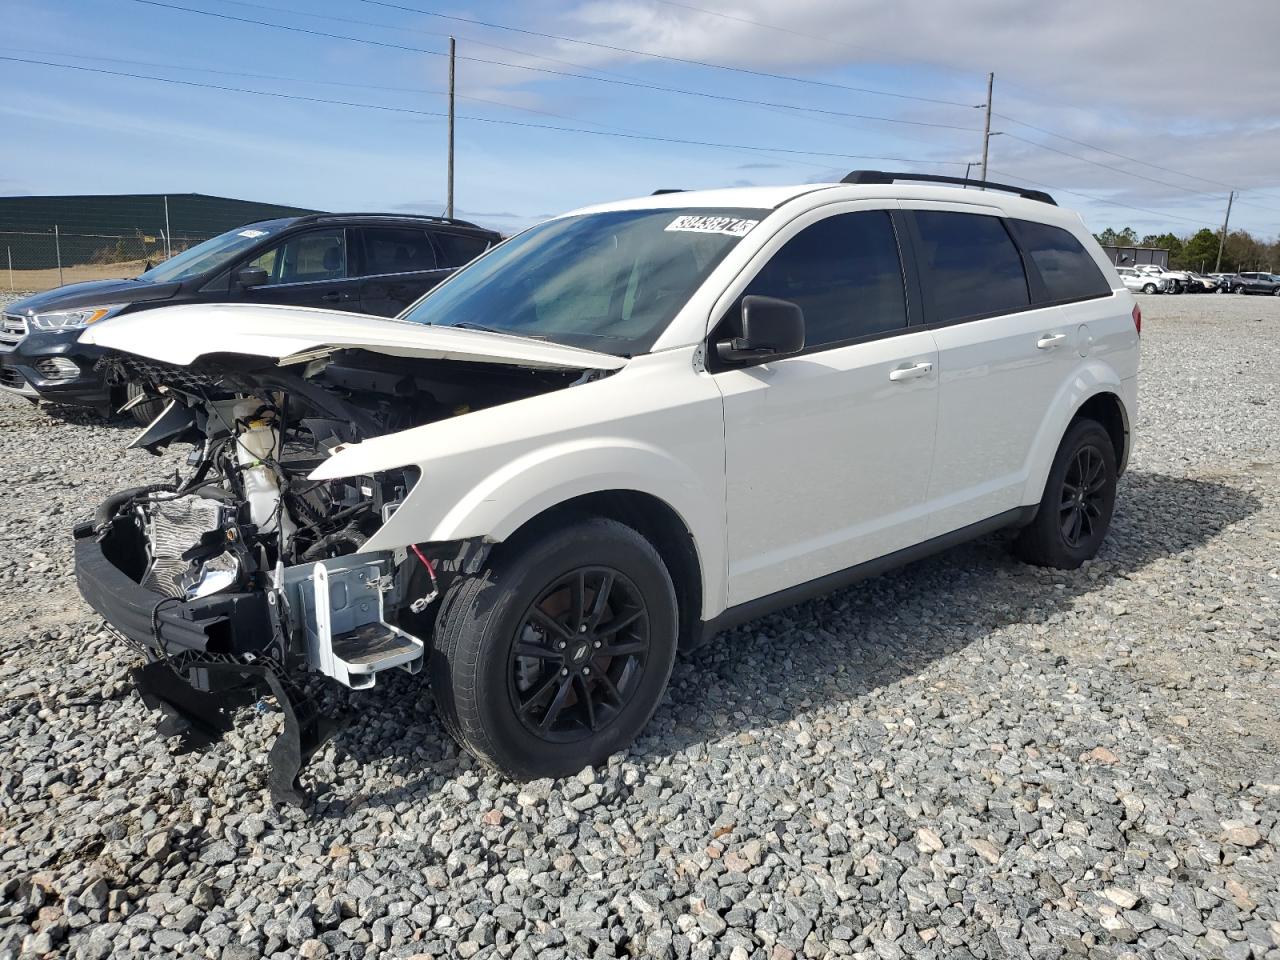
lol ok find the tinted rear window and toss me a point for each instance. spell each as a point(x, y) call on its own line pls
point(396, 250)
point(456, 249)
point(970, 265)
point(1066, 268)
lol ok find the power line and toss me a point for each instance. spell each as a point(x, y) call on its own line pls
point(1121, 156)
point(1129, 173)
point(809, 36)
point(660, 56)
point(1101, 200)
point(1105, 166)
point(426, 33)
point(312, 80)
point(492, 120)
point(1004, 117)
point(637, 84)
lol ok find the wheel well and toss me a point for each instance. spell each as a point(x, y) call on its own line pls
point(1107, 410)
point(658, 523)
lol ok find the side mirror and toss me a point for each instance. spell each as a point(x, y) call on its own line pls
point(771, 329)
point(251, 277)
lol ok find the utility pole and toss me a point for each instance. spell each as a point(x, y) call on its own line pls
point(1222, 240)
point(57, 246)
point(168, 245)
point(986, 126)
point(448, 208)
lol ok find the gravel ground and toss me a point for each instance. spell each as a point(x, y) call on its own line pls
point(969, 757)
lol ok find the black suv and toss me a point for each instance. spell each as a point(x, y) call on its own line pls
point(366, 263)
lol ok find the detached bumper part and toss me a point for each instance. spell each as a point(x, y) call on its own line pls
point(208, 657)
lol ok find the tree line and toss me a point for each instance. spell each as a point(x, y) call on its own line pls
point(1199, 251)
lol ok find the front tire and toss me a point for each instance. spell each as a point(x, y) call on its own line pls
point(1149, 288)
point(1079, 499)
point(556, 656)
point(146, 411)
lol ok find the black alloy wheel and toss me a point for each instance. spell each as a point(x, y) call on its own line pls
point(1079, 498)
point(1082, 503)
point(556, 654)
point(579, 653)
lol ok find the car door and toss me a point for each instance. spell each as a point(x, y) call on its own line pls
point(827, 453)
point(1004, 353)
point(397, 265)
point(306, 269)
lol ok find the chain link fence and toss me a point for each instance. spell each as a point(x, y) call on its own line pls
point(35, 260)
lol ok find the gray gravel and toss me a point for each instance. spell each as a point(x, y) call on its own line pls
point(968, 757)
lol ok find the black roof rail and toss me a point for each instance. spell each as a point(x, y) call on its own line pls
point(317, 217)
point(881, 176)
point(661, 190)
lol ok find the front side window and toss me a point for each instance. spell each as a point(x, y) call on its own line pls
point(610, 281)
point(845, 274)
point(305, 258)
point(396, 250)
point(1066, 268)
point(970, 266)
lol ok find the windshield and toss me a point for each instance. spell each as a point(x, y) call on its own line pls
point(212, 254)
point(606, 281)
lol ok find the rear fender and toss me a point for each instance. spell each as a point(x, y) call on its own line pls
point(1089, 380)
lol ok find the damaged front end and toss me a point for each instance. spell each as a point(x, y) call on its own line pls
point(240, 576)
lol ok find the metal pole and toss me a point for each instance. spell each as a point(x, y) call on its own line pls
point(57, 246)
point(9, 250)
point(986, 126)
point(448, 208)
point(1222, 240)
point(168, 249)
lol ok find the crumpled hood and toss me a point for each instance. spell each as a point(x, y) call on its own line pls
point(180, 335)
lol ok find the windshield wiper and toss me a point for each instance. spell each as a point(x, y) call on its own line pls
point(468, 325)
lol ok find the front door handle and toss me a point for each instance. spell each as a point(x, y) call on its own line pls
point(333, 296)
point(1050, 340)
point(912, 372)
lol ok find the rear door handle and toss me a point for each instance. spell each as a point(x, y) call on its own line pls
point(913, 372)
point(1050, 340)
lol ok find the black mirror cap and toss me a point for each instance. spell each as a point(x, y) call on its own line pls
point(251, 277)
point(771, 329)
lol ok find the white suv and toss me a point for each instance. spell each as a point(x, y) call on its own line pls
point(606, 439)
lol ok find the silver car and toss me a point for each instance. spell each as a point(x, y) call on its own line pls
point(1142, 282)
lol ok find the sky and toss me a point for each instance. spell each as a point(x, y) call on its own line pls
point(1134, 120)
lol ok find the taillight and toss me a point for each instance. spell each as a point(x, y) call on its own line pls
point(1137, 318)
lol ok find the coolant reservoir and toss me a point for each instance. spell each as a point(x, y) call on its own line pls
point(257, 442)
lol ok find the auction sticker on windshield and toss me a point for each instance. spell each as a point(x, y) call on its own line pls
point(695, 223)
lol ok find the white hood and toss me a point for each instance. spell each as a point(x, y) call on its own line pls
point(181, 335)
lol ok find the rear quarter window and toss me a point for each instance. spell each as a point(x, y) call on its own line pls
point(1066, 268)
point(457, 249)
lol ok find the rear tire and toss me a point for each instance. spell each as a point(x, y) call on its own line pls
point(1079, 499)
point(528, 674)
point(1238, 290)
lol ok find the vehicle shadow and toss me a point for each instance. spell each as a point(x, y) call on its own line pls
point(88, 417)
point(841, 646)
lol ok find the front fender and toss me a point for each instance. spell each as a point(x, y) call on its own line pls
point(498, 504)
point(1091, 379)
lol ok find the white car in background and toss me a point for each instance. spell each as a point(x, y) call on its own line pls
point(607, 439)
point(1140, 282)
point(1176, 281)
